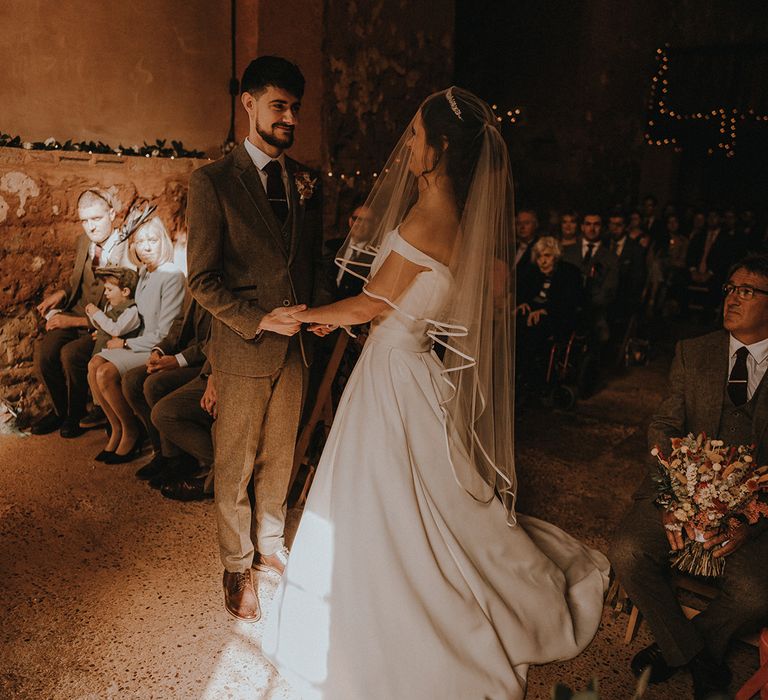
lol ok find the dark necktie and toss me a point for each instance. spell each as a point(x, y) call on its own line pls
point(588, 254)
point(737, 382)
point(96, 262)
point(276, 190)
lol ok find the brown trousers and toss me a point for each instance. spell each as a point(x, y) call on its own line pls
point(255, 435)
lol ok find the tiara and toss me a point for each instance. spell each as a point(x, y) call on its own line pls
point(452, 102)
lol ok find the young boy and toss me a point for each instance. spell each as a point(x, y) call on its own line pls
point(121, 318)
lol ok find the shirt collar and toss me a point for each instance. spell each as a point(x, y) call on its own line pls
point(759, 350)
point(595, 244)
point(261, 159)
point(109, 242)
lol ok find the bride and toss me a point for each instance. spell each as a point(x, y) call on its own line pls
point(411, 575)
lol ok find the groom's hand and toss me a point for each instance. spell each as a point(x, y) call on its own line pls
point(281, 321)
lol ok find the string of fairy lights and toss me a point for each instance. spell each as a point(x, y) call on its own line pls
point(662, 114)
point(504, 115)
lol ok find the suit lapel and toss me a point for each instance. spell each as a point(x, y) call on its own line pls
point(249, 177)
point(760, 416)
point(297, 208)
point(716, 367)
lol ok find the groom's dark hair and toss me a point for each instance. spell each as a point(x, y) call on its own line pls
point(272, 71)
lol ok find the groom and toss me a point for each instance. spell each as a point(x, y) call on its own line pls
point(717, 386)
point(254, 257)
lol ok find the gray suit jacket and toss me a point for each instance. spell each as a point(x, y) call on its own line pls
point(188, 334)
point(697, 380)
point(239, 267)
point(118, 256)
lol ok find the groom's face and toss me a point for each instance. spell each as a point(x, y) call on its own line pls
point(273, 116)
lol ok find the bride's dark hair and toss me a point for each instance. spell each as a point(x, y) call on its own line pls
point(453, 138)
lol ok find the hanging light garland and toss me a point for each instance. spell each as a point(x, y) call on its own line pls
point(159, 149)
point(505, 116)
point(662, 114)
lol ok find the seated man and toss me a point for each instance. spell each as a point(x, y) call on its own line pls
point(184, 419)
point(63, 352)
point(716, 387)
point(172, 363)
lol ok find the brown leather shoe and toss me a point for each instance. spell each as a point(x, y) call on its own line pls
point(273, 562)
point(240, 597)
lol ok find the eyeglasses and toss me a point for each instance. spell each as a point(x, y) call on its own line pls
point(742, 291)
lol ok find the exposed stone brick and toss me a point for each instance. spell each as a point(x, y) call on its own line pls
point(38, 228)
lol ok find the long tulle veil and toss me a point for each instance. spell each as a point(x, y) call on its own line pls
point(476, 328)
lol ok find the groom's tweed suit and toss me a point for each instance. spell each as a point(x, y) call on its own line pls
point(697, 402)
point(242, 264)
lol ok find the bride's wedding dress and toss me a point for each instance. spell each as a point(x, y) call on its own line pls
point(399, 585)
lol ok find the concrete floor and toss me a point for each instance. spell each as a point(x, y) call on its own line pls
point(110, 591)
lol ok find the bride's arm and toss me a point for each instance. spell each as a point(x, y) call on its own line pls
point(388, 284)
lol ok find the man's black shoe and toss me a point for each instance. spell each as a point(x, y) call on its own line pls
point(652, 656)
point(157, 464)
point(47, 424)
point(94, 419)
point(186, 490)
point(710, 677)
point(71, 429)
point(180, 467)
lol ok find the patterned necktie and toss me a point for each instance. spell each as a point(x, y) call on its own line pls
point(737, 382)
point(276, 190)
point(96, 261)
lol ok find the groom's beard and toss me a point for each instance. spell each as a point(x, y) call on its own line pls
point(282, 138)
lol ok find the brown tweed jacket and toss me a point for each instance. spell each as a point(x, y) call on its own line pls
point(240, 267)
point(694, 404)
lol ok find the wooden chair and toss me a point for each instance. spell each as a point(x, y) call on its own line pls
point(322, 412)
point(691, 605)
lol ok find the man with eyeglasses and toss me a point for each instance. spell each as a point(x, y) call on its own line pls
point(716, 387)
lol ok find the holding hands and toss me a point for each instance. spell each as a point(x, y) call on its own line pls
point(282, 320)
point(287, 320)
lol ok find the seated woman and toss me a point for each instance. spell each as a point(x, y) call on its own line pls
point(159, 298)
point(549, 296)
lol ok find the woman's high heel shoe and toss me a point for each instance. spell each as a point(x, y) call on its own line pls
point(133, 453)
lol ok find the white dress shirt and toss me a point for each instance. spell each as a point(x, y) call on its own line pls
point(107, 247)
point(261, 160)
point(757, 362)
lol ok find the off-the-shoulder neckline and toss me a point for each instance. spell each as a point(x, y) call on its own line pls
point(396, 231)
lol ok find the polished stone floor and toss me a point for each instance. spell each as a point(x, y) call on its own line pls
point(110, 591)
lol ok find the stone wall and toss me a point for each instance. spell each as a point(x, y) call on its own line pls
point(382, 58)
point(38, 228)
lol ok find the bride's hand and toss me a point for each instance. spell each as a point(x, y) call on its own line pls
point(321, 329)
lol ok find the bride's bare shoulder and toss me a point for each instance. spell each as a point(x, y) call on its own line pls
point(433, 231)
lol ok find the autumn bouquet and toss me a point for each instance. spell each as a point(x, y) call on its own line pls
point(708, 487)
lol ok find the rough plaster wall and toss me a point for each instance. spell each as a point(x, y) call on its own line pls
point(119, 72)
point(382, 58)
point(38, 228)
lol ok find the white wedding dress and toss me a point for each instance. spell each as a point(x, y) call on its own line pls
point(399, 585)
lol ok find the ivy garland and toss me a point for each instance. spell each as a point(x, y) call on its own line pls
point(159, 149)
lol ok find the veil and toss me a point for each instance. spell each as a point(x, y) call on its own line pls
point(474, 332)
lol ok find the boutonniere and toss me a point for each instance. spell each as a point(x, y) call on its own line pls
point(305, 185)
